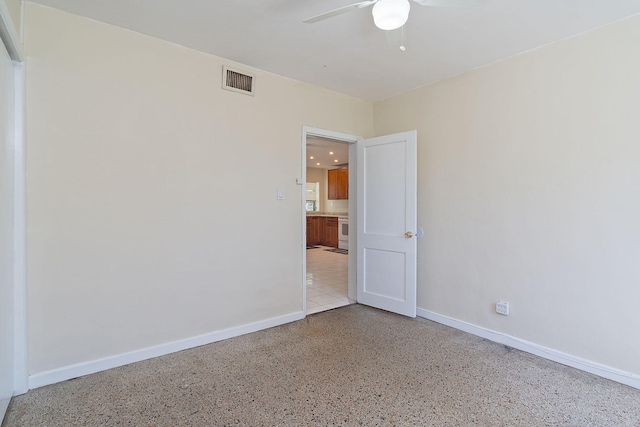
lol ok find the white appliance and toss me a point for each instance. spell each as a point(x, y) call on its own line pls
point(343, 232)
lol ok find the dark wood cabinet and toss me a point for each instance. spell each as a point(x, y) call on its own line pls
point(343, 184)
point(322, 230)
point(338, 184)
point(332, 180)
point(330, 235)
point(314, 230)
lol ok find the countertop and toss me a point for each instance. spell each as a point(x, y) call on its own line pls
point(338, 214)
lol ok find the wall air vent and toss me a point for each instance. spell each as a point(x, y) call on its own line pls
point(238, 81)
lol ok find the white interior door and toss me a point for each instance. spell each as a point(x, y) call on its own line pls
point(386, 206)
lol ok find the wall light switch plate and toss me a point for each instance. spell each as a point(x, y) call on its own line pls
point(280, 193)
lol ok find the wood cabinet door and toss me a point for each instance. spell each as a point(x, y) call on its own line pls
point(338, 184)
point(323, 231)
point(343, 184)
point(332, 181)
point(320, 230)
point(331, 232)
point(313, 230)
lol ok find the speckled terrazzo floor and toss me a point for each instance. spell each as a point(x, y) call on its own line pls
point(352, 366)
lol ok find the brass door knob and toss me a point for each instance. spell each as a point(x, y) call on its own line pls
point(408, 234)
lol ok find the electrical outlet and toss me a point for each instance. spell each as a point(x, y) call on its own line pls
point(502, 307)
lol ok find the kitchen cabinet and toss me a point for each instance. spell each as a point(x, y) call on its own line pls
point(330, 232)
point(338, 184)
point(322, 230)
point(314, 230)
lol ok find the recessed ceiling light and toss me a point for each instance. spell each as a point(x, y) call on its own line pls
point(336, 160)
point(331, 152)
point(311, 157)
point(317, 164)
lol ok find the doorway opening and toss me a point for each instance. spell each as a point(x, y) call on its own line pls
point(329, 189)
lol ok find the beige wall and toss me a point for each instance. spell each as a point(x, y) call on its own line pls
point(145, 221)
point(528, 192)
point(141, 189)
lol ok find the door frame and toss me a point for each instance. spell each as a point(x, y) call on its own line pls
point(11, 40)
point(21, 326)
point(353, 141)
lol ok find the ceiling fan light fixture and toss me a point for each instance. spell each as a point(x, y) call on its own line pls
point(390, 14)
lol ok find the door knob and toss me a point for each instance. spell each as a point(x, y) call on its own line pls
point(408, 234)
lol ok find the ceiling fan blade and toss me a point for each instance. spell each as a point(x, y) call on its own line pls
point(340, 11)
point(452, 3)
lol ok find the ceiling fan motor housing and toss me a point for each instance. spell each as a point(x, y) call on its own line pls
point(390, 14)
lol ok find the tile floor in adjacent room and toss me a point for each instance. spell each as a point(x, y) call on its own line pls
point(327, 280)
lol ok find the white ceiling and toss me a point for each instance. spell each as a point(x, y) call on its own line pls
point(326, 152)
point(347, 53)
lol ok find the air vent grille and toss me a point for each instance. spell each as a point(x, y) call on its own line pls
point(237, 81)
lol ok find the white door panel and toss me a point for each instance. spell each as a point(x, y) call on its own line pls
point(381, 191)
point(387, 174)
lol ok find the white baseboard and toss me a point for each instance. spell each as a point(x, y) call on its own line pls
point(604, 371)
point(4, 404)
point(85, 368)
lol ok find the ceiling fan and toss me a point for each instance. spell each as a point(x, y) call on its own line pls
point(393, 14)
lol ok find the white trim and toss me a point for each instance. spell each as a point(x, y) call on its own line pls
point(86, 368)
point(323, 133)
point(20, 370)
point(352, 290)
point(598, 369)
point(303, 207)
point(9, 35)
point(4, 403)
